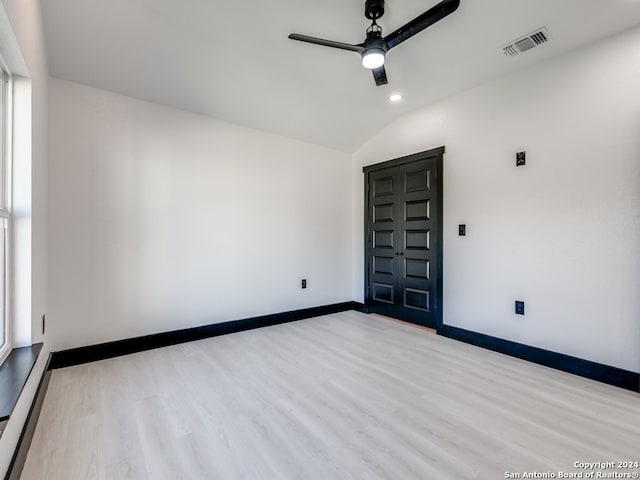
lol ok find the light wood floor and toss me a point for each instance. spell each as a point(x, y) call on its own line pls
point(345, 396)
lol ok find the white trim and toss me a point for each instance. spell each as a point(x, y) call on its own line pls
point(5, 206)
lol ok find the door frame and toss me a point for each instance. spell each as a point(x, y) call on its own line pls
point(438, 153)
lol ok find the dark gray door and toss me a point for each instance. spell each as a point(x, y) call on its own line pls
point(403, 231)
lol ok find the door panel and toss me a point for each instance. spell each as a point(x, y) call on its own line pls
point(383, 292)
point(383, 265)
point(416, 210)
point(383, 213)
point(415, 267)
point(382, 186)
point(418, 299)
point(383, 239)
point(403, 234)
point(416, 239)
point(417, 180)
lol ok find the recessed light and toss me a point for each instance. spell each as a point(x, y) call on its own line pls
point(396, 97)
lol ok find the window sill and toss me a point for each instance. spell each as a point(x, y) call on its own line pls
point(14, 373)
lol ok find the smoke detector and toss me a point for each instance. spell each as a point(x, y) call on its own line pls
point(523, 44)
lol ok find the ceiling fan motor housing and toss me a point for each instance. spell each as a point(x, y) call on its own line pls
point(373, 9)
point(375, 41)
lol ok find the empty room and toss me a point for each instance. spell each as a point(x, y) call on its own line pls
point(363, 239)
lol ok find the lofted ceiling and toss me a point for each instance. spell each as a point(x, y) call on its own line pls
point(232, 60)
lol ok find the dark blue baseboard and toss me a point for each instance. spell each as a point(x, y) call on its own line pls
point(585, 368)
point(359, 307)
point(578, 366)
point(92, 353)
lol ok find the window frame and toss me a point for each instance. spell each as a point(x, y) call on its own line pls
point(6, 136)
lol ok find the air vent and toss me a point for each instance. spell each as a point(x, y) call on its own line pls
point(527, 42)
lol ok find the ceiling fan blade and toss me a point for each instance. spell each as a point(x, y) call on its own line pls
point(326, 43)
point(380, 76)
point(428, 18)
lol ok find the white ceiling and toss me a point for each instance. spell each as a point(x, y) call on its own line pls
point(233, 61)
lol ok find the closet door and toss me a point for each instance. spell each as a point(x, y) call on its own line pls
point(403, 238)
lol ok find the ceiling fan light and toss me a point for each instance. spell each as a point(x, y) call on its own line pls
point(373, 58)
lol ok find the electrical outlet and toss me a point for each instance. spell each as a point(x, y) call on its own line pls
point(462, 229)
point(519, 307)
point(43, 323)
point(521, 159)
point(304, 283)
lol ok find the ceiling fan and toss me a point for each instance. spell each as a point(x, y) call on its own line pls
point(375, 46)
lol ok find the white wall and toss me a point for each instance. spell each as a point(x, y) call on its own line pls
point(162, 219)
point(561, 233)
point(30, 201)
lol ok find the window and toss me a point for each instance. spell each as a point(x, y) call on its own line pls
point(5, 211)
